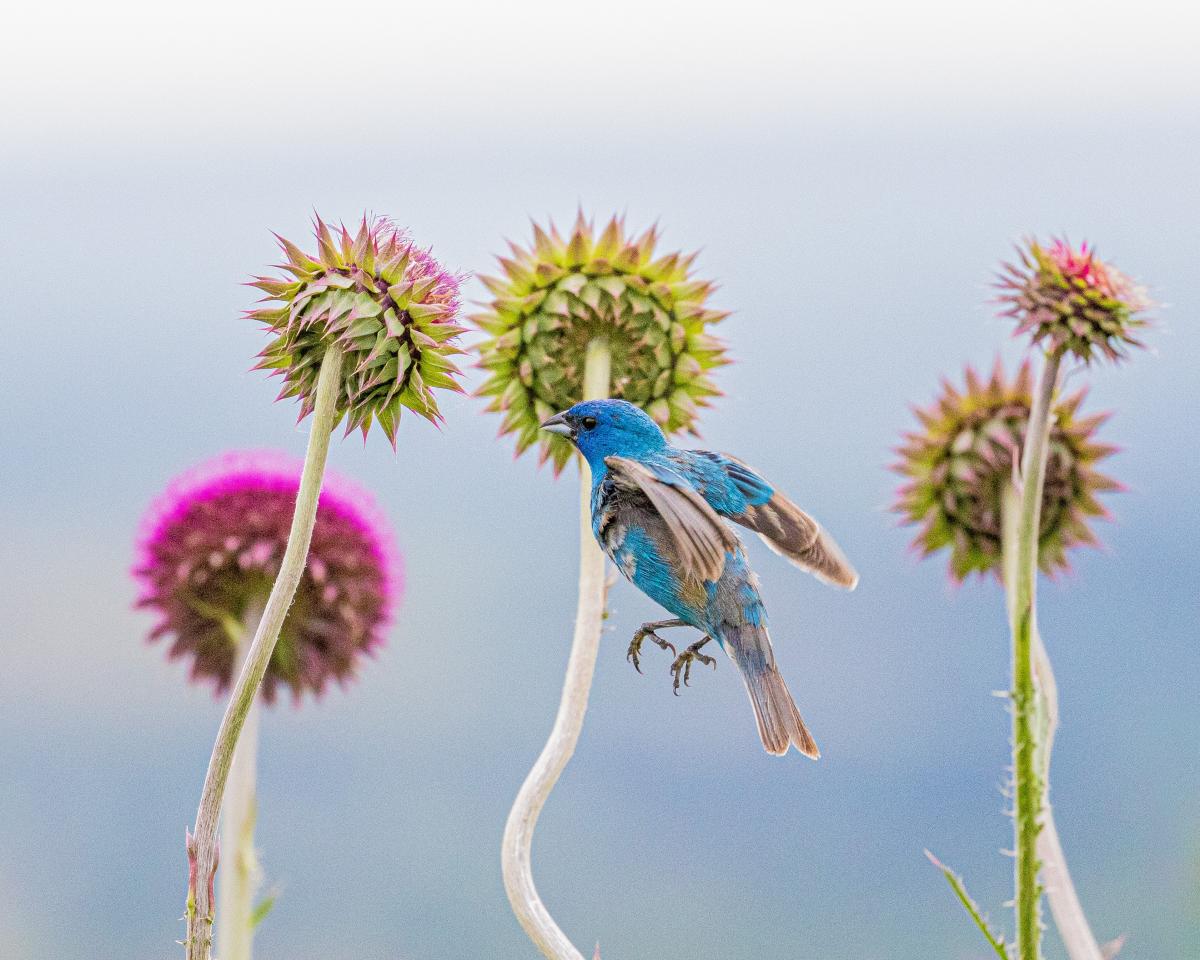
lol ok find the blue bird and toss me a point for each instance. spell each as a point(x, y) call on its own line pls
point(657, 512)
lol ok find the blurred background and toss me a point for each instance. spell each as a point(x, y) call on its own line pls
point(853, 173)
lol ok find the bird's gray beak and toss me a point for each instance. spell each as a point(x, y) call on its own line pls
point(558, 424)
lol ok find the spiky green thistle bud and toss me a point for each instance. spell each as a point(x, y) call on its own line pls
point(561, 294)
point(1071, 300)
point(390, 306)
point(960, 461)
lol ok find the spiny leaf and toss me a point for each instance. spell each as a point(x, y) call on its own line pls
point(995, 941)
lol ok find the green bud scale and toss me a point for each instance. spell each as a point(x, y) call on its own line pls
point(555, 298)
point(389, 305)
point(958, 464)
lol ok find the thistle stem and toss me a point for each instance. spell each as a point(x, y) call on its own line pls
point(1029, 791)
point(1069, 918)
point(239, 882)
point(201, 845)
point(516, 847)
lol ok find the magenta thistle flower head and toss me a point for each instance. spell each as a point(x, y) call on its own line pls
point(556, 297)
point(389, 305)
point(210, 549)
point(1066, 297)
point(961, 459)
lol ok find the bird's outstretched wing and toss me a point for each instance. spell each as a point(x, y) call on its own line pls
point(700, 537)
point(782, 525)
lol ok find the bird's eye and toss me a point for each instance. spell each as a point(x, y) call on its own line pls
point(589, 423)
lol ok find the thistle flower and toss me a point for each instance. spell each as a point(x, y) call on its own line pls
point(211, 546)
point(1069, 299)
point(390, 306)
point(965, 453)
point(558, 296)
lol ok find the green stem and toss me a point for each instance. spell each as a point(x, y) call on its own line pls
point(517, 845)
point(1072, 923)
point(202, 854)
point(1027, 782)
point(240, 878)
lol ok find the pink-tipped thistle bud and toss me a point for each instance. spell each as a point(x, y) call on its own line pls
point(210, 549)
point(390, 306)
point(1066, 298)
point(965, 453)
point(556, 297)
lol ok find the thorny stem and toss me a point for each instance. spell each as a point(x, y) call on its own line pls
point(201, 846)
point(1069, 918)
point(1029, 791)
point(516, 847)
point(239, 880)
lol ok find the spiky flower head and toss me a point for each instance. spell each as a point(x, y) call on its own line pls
point(389, 305)
point(556, 297)
point(209, 551)
point(965, 453)
point(1066, 297)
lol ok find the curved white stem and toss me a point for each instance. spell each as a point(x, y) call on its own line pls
point(1069, 918)
point(516, 847)
point(202, 845)
point(240, 878)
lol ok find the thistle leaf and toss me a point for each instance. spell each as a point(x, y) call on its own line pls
point(262, 908)
point(995, 941)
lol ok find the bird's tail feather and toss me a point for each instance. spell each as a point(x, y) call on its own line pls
point(779, 722)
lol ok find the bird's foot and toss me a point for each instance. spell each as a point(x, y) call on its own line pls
point(681, 669)
point(646, 632)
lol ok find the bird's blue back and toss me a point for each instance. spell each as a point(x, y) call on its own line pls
point(622, 430)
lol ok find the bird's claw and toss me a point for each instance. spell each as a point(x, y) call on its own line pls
point(633, 654)
point(681, 669)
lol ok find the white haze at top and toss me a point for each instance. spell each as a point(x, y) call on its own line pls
point(190, 69)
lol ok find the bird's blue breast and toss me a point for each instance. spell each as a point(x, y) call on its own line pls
point(646, 558)
point(637, 540)
point(643, 563)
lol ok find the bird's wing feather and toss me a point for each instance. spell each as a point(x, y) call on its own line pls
point(787, 529)
point(700, 537)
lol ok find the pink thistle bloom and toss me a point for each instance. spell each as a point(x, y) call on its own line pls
point(210, 548)
point(1066, 297)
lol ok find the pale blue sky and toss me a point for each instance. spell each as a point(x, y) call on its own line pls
point(852, 178)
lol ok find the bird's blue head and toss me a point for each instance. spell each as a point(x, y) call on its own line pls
point(607, 428)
